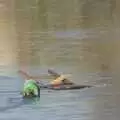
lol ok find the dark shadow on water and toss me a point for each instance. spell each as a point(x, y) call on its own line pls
point(7, 78)
point(18, 102)
point(10, 91)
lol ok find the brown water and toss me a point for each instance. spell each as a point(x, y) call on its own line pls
point(70, 36)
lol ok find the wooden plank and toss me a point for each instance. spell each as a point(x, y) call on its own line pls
point(53, 73)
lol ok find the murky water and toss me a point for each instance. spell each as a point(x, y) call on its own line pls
point(99, 102)
point(70, 36)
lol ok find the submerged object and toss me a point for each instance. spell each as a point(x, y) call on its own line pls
point(62, 86)
point(71, 87)
point(65, 87)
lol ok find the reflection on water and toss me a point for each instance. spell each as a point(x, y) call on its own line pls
point(78, 35)
point(71, 36)
point(89, 104)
